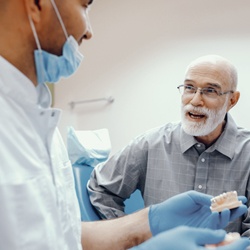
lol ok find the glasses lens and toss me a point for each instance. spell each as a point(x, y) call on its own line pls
point(191, 90)
point(210, 92)
point(186, 89)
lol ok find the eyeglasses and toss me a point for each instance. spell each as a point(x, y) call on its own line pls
point(208, 92)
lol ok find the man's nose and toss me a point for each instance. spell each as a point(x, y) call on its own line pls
point(88, 35)
point(197, 99)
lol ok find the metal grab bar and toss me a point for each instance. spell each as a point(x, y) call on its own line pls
point(109, 99)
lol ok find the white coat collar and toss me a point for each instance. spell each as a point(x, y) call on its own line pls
point(20, 88)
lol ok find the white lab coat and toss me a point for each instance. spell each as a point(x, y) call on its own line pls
point(38, 204)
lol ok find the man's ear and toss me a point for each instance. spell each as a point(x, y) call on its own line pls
point(33, 8)
point(234, 99)
point(37, 2)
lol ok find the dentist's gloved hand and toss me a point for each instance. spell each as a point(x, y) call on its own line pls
point(191, 209)
point(189, 238)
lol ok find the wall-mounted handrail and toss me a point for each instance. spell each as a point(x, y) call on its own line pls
point(109, 99)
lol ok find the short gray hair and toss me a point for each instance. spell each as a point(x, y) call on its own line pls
point(228, 67)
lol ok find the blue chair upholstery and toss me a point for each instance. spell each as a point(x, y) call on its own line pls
point(82, 174)
point(134, 203)
point(88, 212)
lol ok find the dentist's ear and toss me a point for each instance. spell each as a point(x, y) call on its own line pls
point(234, 99)
point(37, 2)
point(34, 8)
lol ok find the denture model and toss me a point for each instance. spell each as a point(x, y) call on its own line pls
point(230, 238)
point(226, 200)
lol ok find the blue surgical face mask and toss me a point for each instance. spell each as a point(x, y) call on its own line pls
point(50, 67)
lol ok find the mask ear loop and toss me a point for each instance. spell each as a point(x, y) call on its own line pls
point(59, 18)
point(34, 33)
point(37, 44)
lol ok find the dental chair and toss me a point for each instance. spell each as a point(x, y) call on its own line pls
point(86, 149)
point(88, 212)
point(81, 175)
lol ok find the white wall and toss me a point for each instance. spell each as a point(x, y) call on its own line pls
point(139, 53)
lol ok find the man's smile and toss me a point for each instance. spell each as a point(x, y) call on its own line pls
point(196, 115)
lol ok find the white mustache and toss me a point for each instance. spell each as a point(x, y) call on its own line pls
point(203, 111)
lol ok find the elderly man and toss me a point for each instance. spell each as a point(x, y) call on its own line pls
point(39, 210)
point(205, 152)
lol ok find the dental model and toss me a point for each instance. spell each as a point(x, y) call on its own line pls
point(230, 238)
point(226, 200)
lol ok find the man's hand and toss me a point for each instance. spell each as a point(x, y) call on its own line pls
point(190, 239)
point(191, 209)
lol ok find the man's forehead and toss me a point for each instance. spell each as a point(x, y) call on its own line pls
point(208, 73)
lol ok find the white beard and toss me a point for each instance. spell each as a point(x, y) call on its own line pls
point(214, 118)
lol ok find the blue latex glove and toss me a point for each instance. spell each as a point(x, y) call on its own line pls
point(191, 209)
point(188, 238)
